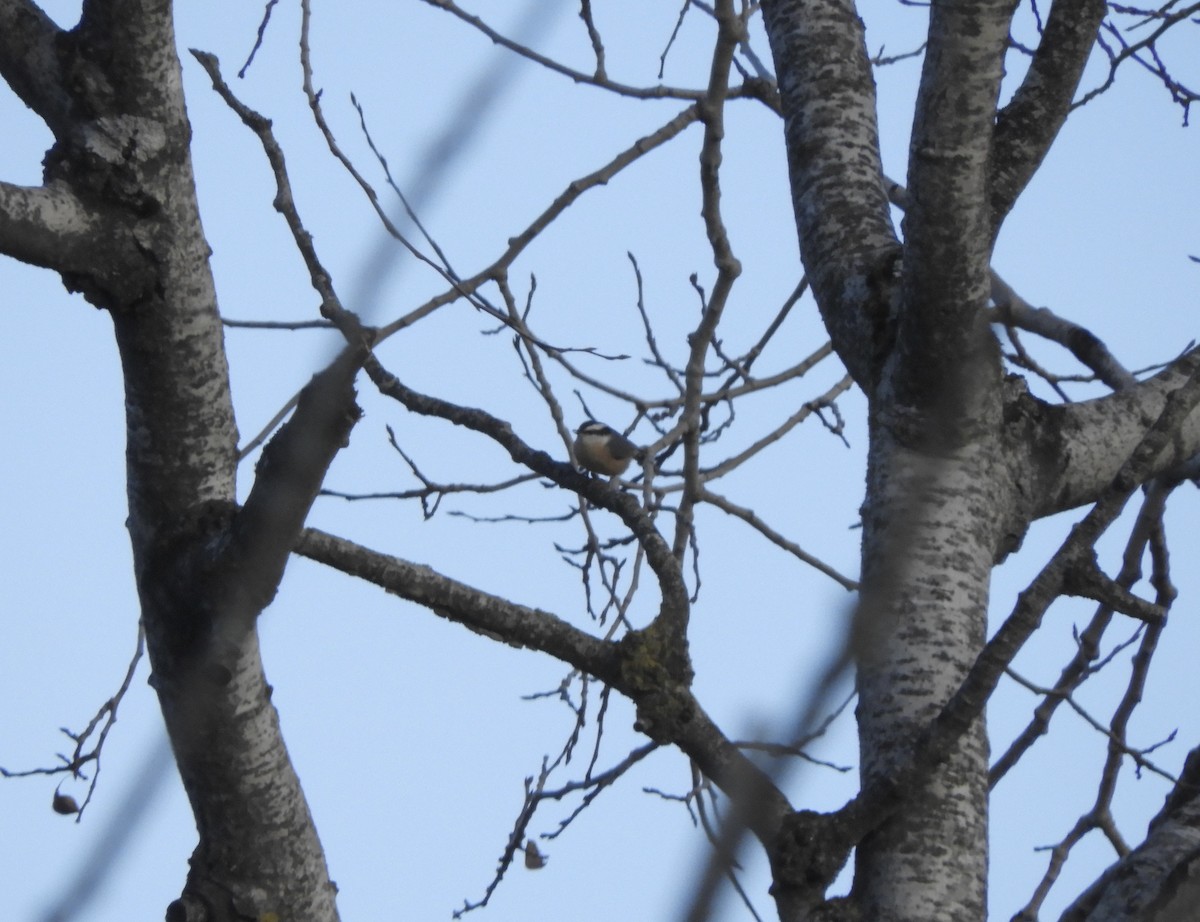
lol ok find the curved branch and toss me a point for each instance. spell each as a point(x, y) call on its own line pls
point(727, 264)
point(1012, 309)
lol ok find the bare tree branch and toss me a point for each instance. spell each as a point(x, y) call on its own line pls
point(1029, 123)
point(30, 64)
point(845, 230)
point(1097, 434)
point(448, 598)
point(658, 92)
point(49, 226)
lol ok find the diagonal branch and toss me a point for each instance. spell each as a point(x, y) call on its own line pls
point(832, 136)
point(779, 540)
point(1028, 125)
point(695, 733)
point(288, 478)
point(448, 598)
point(598, 79)
point(1088, 348)
point(30, 64)
point(675, 603)
point(285, 204)
point(1137, 467)
point(521, 240)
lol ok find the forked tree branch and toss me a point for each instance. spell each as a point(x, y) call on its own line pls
point(612, 662)
point(883, 796)
point(596, 79)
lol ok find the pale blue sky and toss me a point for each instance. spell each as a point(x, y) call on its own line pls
point(410, 733)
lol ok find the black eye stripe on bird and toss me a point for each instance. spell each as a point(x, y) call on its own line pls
point(603, 450)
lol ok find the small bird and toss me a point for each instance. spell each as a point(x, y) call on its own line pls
point(603, 450)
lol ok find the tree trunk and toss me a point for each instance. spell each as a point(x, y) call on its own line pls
point(928, 548)
point(118, 217)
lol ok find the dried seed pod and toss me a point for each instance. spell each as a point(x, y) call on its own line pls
point(64, 804)
point(533, 858)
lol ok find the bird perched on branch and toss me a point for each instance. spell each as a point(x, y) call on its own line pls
point(603, 450)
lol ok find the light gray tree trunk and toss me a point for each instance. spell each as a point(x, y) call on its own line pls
point(118, 218)
point(954, 475)
point(961, 458)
